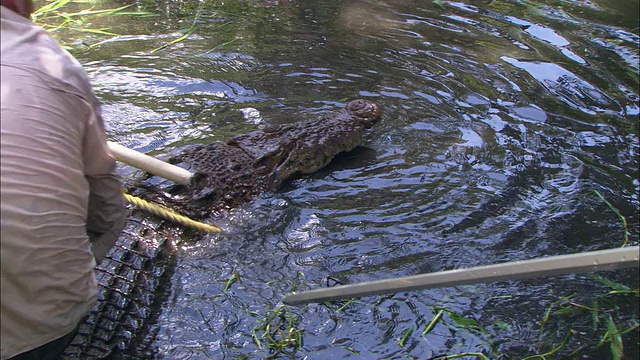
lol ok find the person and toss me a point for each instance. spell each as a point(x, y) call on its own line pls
point(61, 205)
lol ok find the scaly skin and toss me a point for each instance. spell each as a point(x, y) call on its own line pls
point(135, 278)
point(229, 174)
point(133, 283)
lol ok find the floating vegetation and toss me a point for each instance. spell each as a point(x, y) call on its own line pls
point(299, 280)
point(405, 335)
point(346, 303)
point(609, 323)
point(277, 331)
point(477, 355)
point(186, 34)
point(58, 14)
point(235, 277)
point(603, 310)
point(463, 322)
point(612, 336)
point(615, 287)
point(602, 307)
point(552, 351)
point(433, 322)
point(622, 219)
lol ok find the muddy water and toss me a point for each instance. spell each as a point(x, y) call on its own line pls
point(501, 120)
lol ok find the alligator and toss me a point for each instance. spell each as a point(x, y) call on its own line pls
point(134, 279)
point(229, 174)
point(133, 284)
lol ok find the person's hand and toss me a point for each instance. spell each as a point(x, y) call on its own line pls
point(102, 243)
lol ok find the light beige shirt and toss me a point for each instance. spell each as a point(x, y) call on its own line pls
point(59, 196)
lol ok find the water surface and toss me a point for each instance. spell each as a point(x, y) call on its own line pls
point(501, 119)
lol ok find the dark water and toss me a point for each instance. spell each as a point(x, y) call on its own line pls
point(501, 119)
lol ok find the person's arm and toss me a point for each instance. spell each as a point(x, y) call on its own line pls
point(106, 214)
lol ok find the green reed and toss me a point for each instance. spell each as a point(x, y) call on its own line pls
point(77, 15)
point(277, 331)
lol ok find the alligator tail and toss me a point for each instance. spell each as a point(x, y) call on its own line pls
point(133, 284)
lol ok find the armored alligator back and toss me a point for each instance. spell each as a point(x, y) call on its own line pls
point(133, 284)
point(134, 279)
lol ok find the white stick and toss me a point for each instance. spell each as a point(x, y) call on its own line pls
point(149, 164)
point(602, 260)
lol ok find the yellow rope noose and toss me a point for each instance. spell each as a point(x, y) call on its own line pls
point(169, 214)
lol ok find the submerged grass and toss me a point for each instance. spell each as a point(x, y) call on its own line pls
point(277, 331)
point(477, 355)
point(613, 337)
point(186, 34)
point(622, 218)
point(80, 15)
point(235, 277)
point(77, 15)
point(608, 323)
point(603, 310)
point(405, 335)
point(554, 351)
point(433, 322)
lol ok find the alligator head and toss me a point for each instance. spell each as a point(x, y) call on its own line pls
point(282, 151)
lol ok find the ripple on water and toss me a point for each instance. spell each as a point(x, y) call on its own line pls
point(493, 138)
point(568, 87)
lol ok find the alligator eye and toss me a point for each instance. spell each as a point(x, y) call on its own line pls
point(365, 111)
point(272, 128)
point(356, 105)
point(236, 167)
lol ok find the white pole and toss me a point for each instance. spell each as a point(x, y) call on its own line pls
point(149, 164)
point(602, 260)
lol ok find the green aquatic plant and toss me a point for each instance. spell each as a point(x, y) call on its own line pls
point(74, 15)
point(405, 335)
point(548, 354)
point(433, 322)
point(477, 355)
point(615, 287)
point(603, 310)
point(455, 322)
point(235, 277)
point(612, 336)
point(185, 32)
point(277, 331)
point(608, 321)
point(622, 218)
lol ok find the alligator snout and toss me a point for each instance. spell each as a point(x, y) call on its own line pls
point(365, 111)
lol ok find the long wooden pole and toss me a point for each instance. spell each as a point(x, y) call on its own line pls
point(150, 164)
point(602, 260)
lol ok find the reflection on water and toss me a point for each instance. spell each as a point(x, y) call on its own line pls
point(566, 86)
point(500, 120)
